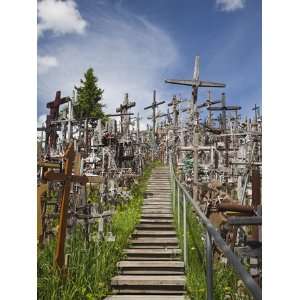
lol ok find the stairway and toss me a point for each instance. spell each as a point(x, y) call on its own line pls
point(153, 269)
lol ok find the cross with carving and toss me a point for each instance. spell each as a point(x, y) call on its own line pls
point(51, 135)
point(67, 178)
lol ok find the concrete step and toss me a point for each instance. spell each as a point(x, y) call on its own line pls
point(151, 267)
point(152, 254)
point(155, 226)
point(156, 211)
point(156, 216)
point(154, 242)
point(146, 297)
point(154, 233)
point(166, 200)
point(157, 206)
point(156, 221)
point(148, 284)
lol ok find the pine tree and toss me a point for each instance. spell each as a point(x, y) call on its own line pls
point(89, 97)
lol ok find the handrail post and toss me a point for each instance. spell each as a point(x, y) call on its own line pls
point(178, 206)
point(212, 233)
point(209, 267)
point(185, 254)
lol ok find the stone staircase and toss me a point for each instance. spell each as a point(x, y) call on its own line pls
point(153, 268)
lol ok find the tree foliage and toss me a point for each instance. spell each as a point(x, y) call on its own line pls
point(89, 98)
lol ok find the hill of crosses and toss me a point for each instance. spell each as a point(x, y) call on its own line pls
point(170, 210)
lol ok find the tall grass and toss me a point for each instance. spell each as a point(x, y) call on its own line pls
point(91, 266)
point(226, 284)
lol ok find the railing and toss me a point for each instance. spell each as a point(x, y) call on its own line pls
point(211, 235)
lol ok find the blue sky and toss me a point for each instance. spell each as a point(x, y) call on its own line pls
point(134, 45)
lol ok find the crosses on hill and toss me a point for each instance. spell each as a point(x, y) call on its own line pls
point(195, 83)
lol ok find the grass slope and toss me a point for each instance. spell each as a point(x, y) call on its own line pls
point(226, 283)
point(91, 266)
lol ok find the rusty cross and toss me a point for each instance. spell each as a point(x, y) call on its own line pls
point(67, 178)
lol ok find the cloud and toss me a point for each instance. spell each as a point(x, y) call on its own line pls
point(45, 63)
point(128, 54)
point(41, 120)
point(60, 17)
point(230, 5)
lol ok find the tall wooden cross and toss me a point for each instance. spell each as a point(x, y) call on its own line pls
point(209, 103)
point(174, 103)
point(123, 109)
point(223, 109)
point(54, 105)
point(138, 119)
point(153, 106)
point(195, 83)
point(67, 178)
point(256, 111)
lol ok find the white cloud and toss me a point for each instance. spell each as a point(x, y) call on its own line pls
point(230, 5)
point(128, 54)
point(60, 17)
point(41, 120)
point(45, 63)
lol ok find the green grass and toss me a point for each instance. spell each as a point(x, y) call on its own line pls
point(225, 280)
point(91, 266)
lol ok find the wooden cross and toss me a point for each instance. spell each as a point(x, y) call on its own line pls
point(67, 178)
point(54, 105)
point(208, 103)
point(123, 109)
point(174, 103)
point(223, 109)
point(153, 106)
point(195, 83)
point(256, 111)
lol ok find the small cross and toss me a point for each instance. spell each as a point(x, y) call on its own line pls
point(256, 111)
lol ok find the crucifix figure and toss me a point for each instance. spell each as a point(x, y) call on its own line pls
point(195, 83)
point(67, 178)
point(153, 106)
point(174, 103)
point(51, 135)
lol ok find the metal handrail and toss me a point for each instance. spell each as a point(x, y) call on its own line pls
point(249, 282)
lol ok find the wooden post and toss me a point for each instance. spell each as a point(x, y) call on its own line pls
point(153, 107)
point(67, 178)
point(41, 190)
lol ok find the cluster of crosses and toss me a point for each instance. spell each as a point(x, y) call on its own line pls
point(85, 169)
point(216, 153)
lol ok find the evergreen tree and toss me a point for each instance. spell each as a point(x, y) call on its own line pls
point(89, 96)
